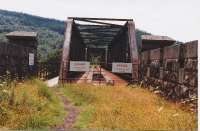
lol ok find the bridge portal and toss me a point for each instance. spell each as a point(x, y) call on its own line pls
point(103, 40)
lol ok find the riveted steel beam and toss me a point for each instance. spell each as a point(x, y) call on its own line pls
point(64, 69)
point(133, 51)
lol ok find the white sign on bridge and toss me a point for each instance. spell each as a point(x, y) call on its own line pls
point(79, 66)
point(122, 67)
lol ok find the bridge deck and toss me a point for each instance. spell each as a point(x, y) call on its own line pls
point(108, 77)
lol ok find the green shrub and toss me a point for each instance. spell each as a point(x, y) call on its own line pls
point(45, 92)
point(4, 95)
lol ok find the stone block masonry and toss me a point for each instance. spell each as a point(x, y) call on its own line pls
point(172, 71)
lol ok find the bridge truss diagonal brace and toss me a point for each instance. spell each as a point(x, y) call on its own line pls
point(64, 69)
point(133, 51)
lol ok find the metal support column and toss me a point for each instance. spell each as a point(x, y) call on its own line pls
point(106, 56)
point(86, 54)
point(64, 69)
point(133, 51)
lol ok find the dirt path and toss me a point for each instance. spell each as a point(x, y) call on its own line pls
point(72, 113)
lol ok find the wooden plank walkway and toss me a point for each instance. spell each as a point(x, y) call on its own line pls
point(111, 76)
point(87, 78)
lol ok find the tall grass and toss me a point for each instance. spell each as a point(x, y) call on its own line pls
point(126, 108)
point(31, 105)
point(45, 92)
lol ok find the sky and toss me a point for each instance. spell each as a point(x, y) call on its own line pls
point(178, 19)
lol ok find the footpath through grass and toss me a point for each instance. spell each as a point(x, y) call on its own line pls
point(127, 108)
point(30, 105)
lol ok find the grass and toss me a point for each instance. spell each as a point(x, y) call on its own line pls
point(106, 107)
point(31, 105)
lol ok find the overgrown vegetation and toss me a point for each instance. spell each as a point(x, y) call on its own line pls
point(126, 108)
point(29, 105)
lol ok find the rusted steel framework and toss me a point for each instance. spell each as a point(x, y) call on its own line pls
point(114, 42)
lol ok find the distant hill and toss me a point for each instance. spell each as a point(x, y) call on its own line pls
point(51, 31)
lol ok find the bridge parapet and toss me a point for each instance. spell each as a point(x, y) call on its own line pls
point(172, 70)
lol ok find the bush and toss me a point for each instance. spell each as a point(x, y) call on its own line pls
point(4, 95)
point(45, 92)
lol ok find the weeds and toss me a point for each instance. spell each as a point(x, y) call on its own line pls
point(30, 105)
point(85, 118)
point(36, 122)
point(45, 92)
point(12, 97)
point(126, 109)
point(4, 115)
point(4, 95)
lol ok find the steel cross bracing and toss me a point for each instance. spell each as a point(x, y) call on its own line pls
point(98, 34)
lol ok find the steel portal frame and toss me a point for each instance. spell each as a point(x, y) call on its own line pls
point(78, 36)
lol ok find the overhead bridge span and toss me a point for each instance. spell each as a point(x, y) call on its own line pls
point(91, 43)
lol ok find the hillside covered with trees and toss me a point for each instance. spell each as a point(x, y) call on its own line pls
point(50, 31)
